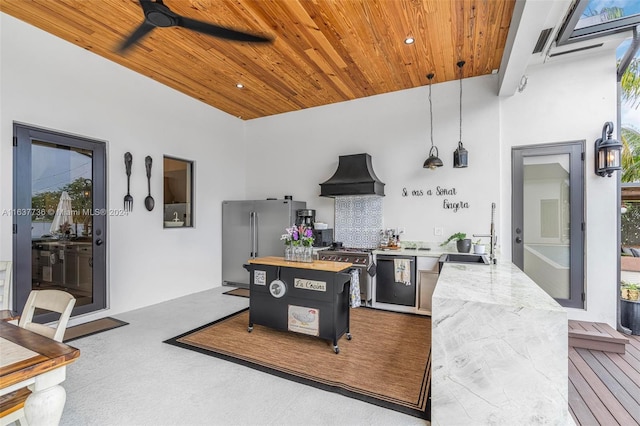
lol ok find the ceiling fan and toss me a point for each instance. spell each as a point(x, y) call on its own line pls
point(156, 14)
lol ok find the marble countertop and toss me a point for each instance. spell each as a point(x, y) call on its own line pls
point(499, 349)
point(502, 284)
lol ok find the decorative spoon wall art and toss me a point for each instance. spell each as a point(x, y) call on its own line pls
point(149, 203)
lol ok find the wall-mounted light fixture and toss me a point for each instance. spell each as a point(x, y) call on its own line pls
point(607, 152)
point(433, 161)
point(87, 187)
point(460, 155)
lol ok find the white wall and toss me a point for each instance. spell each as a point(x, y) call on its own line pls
point(570, 100)
point(299, 150)
point(50, 83)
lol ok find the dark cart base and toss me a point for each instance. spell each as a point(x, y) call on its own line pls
point(306, 301)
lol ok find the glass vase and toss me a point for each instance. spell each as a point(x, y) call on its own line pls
point(288, 252)
point(308, 254)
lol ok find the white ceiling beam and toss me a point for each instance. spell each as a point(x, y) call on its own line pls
point(530, 17)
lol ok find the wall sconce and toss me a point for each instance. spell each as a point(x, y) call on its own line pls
point(433, 161)
point(87, 188)
point(607, 152)
point(460, 155)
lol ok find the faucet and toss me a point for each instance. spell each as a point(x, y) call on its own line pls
point(175, 217)
point(492, 235)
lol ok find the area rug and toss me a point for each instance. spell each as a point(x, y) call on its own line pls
point(92, 327)
point(387, 362)
point(241, 292)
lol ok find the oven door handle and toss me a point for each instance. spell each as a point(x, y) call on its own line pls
point(371, 270)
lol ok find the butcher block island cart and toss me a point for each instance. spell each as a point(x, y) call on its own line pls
point(308, 298)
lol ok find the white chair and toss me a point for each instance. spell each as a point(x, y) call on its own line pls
point(58, 301)
point(5, 284)
point(51, 300)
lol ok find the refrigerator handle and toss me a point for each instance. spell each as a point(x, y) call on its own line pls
point(256, 220)
point(256, 223)
point(251, 226)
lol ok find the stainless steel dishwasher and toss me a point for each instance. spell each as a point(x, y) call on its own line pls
point(390, 291)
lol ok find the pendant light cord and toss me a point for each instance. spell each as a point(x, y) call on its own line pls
point(460, 64)
point(430, 77)
point(430, 114)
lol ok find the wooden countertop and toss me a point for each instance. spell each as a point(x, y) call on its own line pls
point(316, 265)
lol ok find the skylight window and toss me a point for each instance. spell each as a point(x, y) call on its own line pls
point(598, 18)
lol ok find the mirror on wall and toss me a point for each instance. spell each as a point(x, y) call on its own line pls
point(178, 192)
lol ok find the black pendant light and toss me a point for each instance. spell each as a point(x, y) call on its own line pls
point(433, 161)
point(460, 155)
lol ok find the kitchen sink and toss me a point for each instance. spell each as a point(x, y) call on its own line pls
point(464, 258)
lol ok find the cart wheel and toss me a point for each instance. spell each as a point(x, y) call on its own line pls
point(348, 336)
point(336, 350)
point(250, 329)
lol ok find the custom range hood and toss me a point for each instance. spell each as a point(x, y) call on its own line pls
point(354, 176)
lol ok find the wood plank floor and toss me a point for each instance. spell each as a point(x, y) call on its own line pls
point(604, 387)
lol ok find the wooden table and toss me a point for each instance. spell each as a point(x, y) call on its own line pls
point(28, 359)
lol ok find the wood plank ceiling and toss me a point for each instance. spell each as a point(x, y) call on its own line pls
point(324, 51)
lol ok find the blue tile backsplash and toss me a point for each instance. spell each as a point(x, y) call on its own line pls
point(358, 221)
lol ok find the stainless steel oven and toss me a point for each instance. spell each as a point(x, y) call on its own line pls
point(362, 261)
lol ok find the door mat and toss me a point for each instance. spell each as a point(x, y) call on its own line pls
point(92, 327)
point(386, 363)
point(241, 292)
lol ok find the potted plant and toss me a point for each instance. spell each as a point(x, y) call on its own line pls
point(624, 294)
point(633, 292)
point(478, 248)
point(462, 242)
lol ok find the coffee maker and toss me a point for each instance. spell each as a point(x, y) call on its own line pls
point(305, 217)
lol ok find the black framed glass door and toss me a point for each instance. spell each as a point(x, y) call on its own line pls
point(548, 216)
point(59, 217)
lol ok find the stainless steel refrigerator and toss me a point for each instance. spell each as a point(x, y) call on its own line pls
point(253, 229)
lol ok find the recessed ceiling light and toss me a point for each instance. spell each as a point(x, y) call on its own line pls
point(239, 85)
point(409, 40)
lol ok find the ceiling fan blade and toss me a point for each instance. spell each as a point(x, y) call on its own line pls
point(217, 31)
point(140, 32)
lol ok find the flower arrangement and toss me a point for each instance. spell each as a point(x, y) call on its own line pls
point(298, 236)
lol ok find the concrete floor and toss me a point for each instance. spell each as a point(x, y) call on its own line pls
point(127, 376)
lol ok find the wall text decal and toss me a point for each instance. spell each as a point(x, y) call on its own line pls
point(439, 191)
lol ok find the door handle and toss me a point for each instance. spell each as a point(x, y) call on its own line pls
point(518, 240)
point(99, 242)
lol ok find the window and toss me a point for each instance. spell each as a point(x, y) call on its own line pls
point(178, 193)
point(597, 18)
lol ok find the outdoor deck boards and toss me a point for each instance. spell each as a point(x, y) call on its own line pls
point(604, 387)
point(598, 336)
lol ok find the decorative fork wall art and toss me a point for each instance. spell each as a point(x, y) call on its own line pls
point(128, 199)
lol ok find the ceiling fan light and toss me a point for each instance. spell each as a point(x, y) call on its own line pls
point(409, 40)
